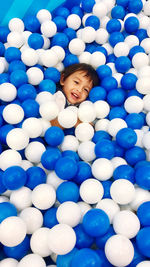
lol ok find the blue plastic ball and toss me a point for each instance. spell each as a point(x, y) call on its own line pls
point(18, 78)
point(97, 93)
point(5, 129)
point(35, 41)
point(109, 83)
point(131, 24)
point(47, 85)
point(2, 49)
point(50, 157)
point(142, 163)
point(31, 108)
point(66, 260)
point(103, 259)
point(12, 53)
point(70, 60)
point(70, 153)
point(26, 91)
point(35, 176)
point(138, 257)
point(60, 22)
point(134, 155)
point(104, 149)
point(136, 49)
point(7, 209)
point(71, 33)
point(100, 135)
point(4, 31)
point(135, 6)
point(87, 6)
point(62, 166)
point(49, 218)
point(19, 251)
point(115, 37)
point(93, 21)
point(128, 81)
point(118, 12)
point(84, 172)
point(142, 177)
point(119, 151)
point(117, 112)
point(116, 97)
point(54, 136)
point(126, 138)
point(14, 177)
point(143, 213)
point(52, 73)
point(141, 34)
point(95, 222)
point(101, 240)
point(60, 39)
point(83, 239)
point(122, 64)
point(67, 191)
point(78, 11)
point(113, 25)
point(142, 241)
point(16, 65)
point(31, 23)
point(86, 257)
point(2, 187)
point(134, 121)
point(101, 49)
point(111, 58)
point(123, 3)
point(4, 78)
point(62, 11)
point(124, 172)
point(106, 185)
point(103, 71)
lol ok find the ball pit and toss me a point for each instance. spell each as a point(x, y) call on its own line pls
point(76, 195)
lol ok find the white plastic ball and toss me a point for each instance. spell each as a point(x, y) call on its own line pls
point(102, 109)
point(86, 151)
point(33, 127)
point(88, 34)
point(97, 59)
point(25, 164)
point(59, 66)
point(9, 262)
point(12, 231)
point(2, 66)
point(143, 85)
point(76, 46)
point(67, 118)
point(38, 242)
point(49, 58)
point(85, 57)
point(140, 135)
point(133, 104)
point(102, 169)
point(60, 52)
point(8, 92)
point(34, 151)
point(47, 42)
point(133, 70)
point(101, 36)
point(43, 196)
point(112, 66)
point(43, 15)
point(89, 186)
point(73, 21)
point(119, 250)
point(29, 57)
point(13, 113)
point(15, 39)
point(148, 118)
point(143, 264)
point(121, 49)
point(69, 213)
point(145, 43)
point(139, 60)
point(79, 33)
point(21, 198)
point(16, 25)
point(122, 191)
point(108, 47)
point(61, 239)
point(86, 112)
point(115, 125)
point(84, 207)
point(141, 196)
point(49, 110)
point(131, 40)
point(9, 158)
point(70, 142)
point(17, 139)
point(104, 22)
point(102, 124)
point(145, 140)
point(35, 75)
point(144, 72)
point(33, 219)
point(146, 8)
point(118, 76)
point(48, 28)
point(53, 179)
point(110, 4)
point(110, 207)
point(84, 131)
point(43, 97)
point(117, 161)
point(126, 223)
point(84, 18)
point(26, 35)
point(100, 10)
point(32, 260)
point(45, 125)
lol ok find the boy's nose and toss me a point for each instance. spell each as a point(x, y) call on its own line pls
point(79, 89)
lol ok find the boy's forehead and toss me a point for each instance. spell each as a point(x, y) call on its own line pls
point(81, 74)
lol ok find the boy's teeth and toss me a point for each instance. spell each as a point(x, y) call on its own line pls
point(75, 95)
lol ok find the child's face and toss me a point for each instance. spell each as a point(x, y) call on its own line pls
point(76, 87)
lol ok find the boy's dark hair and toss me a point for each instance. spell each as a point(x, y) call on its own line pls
point(89, 70)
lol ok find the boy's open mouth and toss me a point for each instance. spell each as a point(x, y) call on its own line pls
point(75, 96)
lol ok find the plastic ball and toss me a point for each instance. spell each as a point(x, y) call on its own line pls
point(49, 218)
point(142, 85)
point(8, 92)
point(115, 37)
point(102, 109)
point(15, 39)
point(21, 198)
point(85, 57)
point(50, 157)
point(113, 25)
point(104, 149)
point(35, 41)
point(7, 210)
point(61, 239)
point(122, 245)
point(33, 219)
point(122, 64)
point(88, 34)
point(70, 143)
point(35, 75)
point(34, 151)
point(9, 261)
point(49, 110)
point(134, 120)
point(14, 177)
point(67, 191)
point(85, 191)
point(9, 158)
point(119, 189)
point(93, 21)
point(126, 138)
point(29, 57)
point(131, 24)
point(32, 259)
point(143, 213)
point(67, 118)
point(70, 60)
point(68, 213)
point(26, 91)
point(48, 28)
point(132, 108)
point(30, 108)
point(73, 21)
point(10, 111)
point(49, 58)
point(90, 256)
point(97, 59)
point(85, 107)
point(76, 46)
point(139, 60)
point(54, 136)
point(9, 236)
point(102, 169)
point(121, 49)
point(86, 151)
point(100, 10)
point(135, 7)
point(109, 83)
point(109, 206)
point(43, 14)
point(143, 264)
point(125, 172)
point(60, 22)
point(32, 126)
point(134, 155)
point(35, 176)
point(142, 241)
point(142, 177)
point(115, 125)
point(83, 128)
point(97, 93)
point(52, 73)
point(62, 166)
point(96, 222)
point(17, 139)
point(41, 248)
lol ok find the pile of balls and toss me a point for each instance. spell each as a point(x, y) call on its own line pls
point(78, 196)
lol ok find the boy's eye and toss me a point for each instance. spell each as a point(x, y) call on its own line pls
point(76, 82)
point(85, 89)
